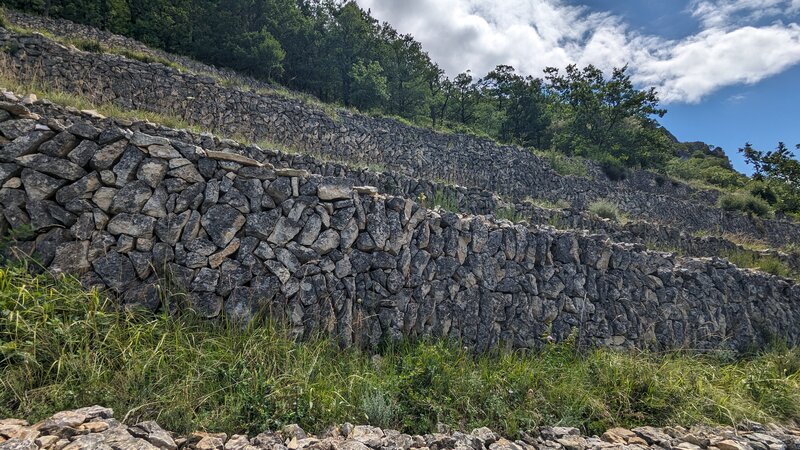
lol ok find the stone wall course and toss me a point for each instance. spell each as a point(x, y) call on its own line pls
point(417, 153)
point(246, 237)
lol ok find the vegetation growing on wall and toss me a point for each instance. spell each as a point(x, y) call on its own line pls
point(62, 347)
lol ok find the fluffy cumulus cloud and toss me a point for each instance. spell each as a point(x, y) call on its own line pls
point(737, 41)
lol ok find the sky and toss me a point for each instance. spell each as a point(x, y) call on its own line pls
point(727, 71)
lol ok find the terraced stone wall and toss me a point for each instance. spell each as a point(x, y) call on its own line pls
point(193, 219)
point(418, 153)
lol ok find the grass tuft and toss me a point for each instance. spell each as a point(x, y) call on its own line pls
point(565, 165)
point(605, 210)
point(765, 263)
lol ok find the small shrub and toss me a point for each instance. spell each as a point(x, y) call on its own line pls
point(380, 410)
point(88, 45)
point(565, 165)
point(764, 263)
point(613, 168)
point(604, 209)
point(509, 213)
point(445, 201)
point(745, 203)
point(3, 18)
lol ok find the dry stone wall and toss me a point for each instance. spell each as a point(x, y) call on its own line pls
point(227, 234)
point(417, 153)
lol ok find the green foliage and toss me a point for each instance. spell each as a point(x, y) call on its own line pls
point(87, 45)
point(380, 410)
point(764, 263)
point(707, 169)
point(605, 209)
point(62, 347)
point(614, 169)
point(599, 117)
point(446, 201)
point(369, 85)
point(509, 213)
point(565, 165)
point(744, 202)
point(781, 171)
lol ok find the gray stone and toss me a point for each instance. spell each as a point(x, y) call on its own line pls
point(57, 167)
point(154, 434)
point(61, 145)
point(125, 169)
point(39, 186)
point(84, 130)
point(24, 145)
point(82, 154)
point(136, 225)
point(145, 140)
point(115, 270)
point(71, 257)
point(108, 155)
point(152, 172)
point(334, 191)
point(285, 230)
point(131, 198)
point(13, 129)
point(222, 222)
point(327, 241)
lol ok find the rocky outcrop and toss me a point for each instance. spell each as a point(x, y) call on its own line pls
point(417, 153)
point(146, 212)
point(95, 427)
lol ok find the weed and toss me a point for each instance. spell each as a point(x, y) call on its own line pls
point(605, 209)
point(509, 213)
point(765, 263)
point(446, 201)
point(564, 165)
point(547, 204)
point(62, 347)
point(744, 202)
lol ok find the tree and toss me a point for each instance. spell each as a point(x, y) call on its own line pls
point(465, 94)
point(369, 85)
point(351, 38)
point(527, 119)
point(607, 117)
point(405, 65)
point(779, 174)
point(441, 89)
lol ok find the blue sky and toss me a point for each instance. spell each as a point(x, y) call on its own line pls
point(728, 71)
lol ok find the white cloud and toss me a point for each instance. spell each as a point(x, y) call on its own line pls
point(722, 13)
point(734, 45)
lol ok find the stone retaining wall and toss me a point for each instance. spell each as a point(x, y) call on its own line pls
point(222, 233)
point(418, 153)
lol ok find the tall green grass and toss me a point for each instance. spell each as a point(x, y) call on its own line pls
point(63, 347)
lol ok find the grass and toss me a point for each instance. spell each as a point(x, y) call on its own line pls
point(605, 209)
point(764, 263)
point(744, 202)
point(441, 200)
point(547, 204)
point(81, 102)
point(63, 347)
point(564, 165)
point(509, 213)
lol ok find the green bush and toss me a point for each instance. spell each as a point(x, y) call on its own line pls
point(88, 45)
point(764, 263)
point(744, 202)
point(604, 209)
point(707, 169)
point(614, 169)
point(565, 165)
point(62, 347)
